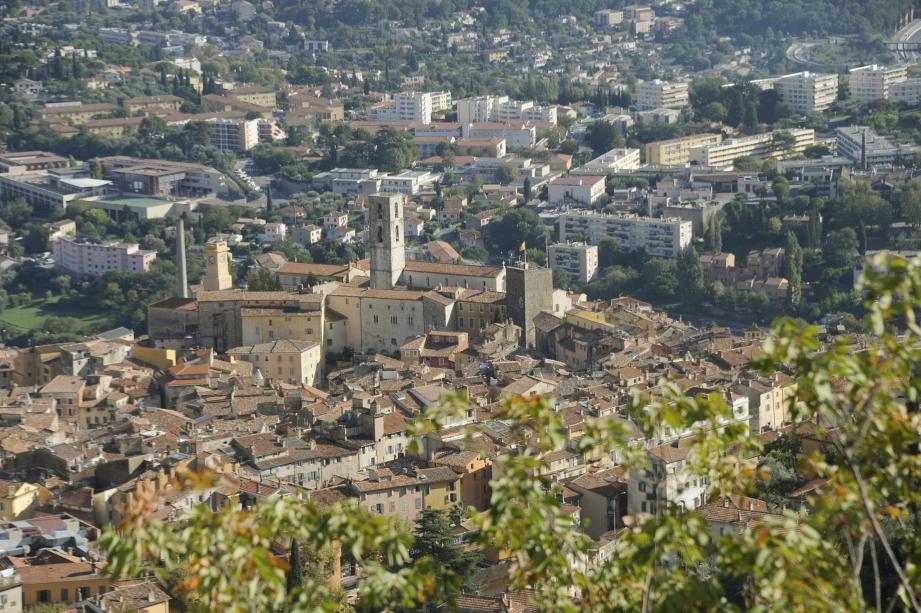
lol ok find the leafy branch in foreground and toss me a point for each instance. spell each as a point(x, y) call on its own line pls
point(854, 546)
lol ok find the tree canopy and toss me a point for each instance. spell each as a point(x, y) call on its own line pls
point(851, 547)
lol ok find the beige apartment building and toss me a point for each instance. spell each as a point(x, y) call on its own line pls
point(724, 155)
point(658, 94)
point(807, 92)
point(254, 94)
point(675, 151)
point(86, 257)
point(234, 134)
point(874, 82)
point(578, 259)
point(75, 113)
point(295, 362)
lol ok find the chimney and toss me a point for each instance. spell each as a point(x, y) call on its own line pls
point(180, 259)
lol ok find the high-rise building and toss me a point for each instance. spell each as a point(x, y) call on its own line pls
point(234, 134)
point(529, 292)
point(500, 109)
point(217, 267)
point(413, 107)
point(577, 259)
point(659, 237)
point(874, 82)
point(806, 92)
point(658, 94)
point(385, 240)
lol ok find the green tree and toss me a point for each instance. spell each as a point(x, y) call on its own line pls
point(526, 189)
point(608, 252)
point(690, 277)
point(603, 136)
point(781, 188)
point(659, 279)
point(454, 564)
point(862, 239)
point(269, 205)
point(262, 280)
point(793, 269)
point(506, 172)
point(561, 278)
point(475, 253)
point(537, 256)
point(750, 118)
point(713, 234)
point(814, 228)
point(507, 232)
point(908, 200)
point(295, 578)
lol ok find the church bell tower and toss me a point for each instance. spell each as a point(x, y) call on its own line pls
point(386, 240)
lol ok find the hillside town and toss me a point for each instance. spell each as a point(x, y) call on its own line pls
point(264, 241)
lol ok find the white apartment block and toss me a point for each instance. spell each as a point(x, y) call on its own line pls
point(578, 259)
point(806, 92)
point(576, 189)
point(409, 182)
point(658, 237)
point(615, 160)
point(501, 109)
point(234, 134)
point(480, 109)
point(723, 155)
point(874, 82)
point(412, 107)
point(84, 257)
point(658, 94)
point(866, 148)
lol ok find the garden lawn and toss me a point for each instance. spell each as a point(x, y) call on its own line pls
point(25, 318)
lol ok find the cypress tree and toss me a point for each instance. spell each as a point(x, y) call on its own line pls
point(295, 578)
point(793, 268)
point(862, 238)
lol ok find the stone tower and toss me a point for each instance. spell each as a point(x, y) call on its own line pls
point(529, 291)
point(385, 239)
point(217, 267)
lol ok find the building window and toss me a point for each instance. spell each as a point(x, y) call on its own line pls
point(44, 595)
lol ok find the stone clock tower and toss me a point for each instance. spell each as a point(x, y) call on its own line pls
point(217, 267)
